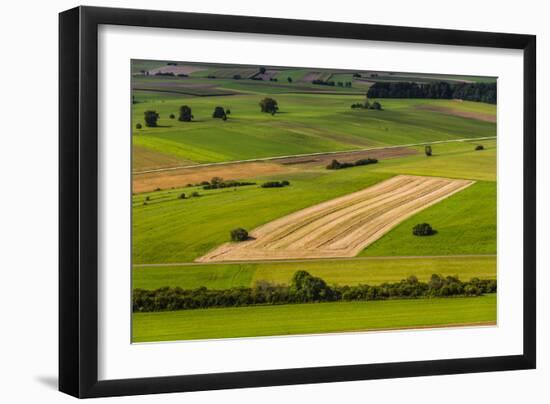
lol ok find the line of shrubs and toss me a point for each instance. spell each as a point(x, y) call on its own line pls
point(336, 165)
point(275, 184)
point(305, 288)
point(227, 184)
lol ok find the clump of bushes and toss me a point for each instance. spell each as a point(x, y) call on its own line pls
point(151, 118)
point(275, 184)
point(305, 288)
point(239, 234)
point(336, 165)
point(185, 114)
point(480, 147)
point(367, 105)
point(217, 182)
point(423, 229)
point(269, 105)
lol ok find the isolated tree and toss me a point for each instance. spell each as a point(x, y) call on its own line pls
point(423, 229)
point(239, 234)
point(428, 150)
point(151, 118)
point(269, 105)
point(185, 114)
point(216, 180)
point(219, 112)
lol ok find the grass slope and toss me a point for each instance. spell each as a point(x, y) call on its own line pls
point(310, 318)
point(307, 123)
point(341, 272)
point(465, 223)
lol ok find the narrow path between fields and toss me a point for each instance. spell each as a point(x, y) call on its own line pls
point(398, 257)
point(156, 170)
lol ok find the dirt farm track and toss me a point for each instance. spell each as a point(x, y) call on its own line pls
point(340, 227)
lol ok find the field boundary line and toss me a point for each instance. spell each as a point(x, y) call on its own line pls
point(221, 163)
point(387, 258)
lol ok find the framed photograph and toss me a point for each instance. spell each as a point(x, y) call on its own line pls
point(251, 201)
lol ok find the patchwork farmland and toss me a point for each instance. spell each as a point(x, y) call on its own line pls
point(341, 227)
point(195, 181)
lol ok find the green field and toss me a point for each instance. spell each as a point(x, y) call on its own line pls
point(341, 272)
point(176, 230)
point(312, 118)
point(168, 229)
point(258, 321)
point(307, 123)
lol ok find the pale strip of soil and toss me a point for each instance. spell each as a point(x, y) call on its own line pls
point(191, 175)
point(480, 116)
point(340, 227)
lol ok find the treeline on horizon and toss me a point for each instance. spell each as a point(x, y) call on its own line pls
point(481, 92)
point(304, 288)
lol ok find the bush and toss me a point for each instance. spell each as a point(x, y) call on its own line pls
point(224, 184)
point(227, 112)
point(195, 194)
point(269, 105)
point(289, 79)
point(237, 77)
point(182, 196)
point(185, 114)
point(480, 147)
point(336, 165)
point(428, 150)
point(138, 126)
point(423, 229)
point(151, 118)
point(376, 105)
point(275, 184)
point(219, 112)
point(239, 234)
point(172, 116)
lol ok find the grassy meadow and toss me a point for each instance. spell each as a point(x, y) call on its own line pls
point(306, 123)
point(312, 318)
point(170, 232)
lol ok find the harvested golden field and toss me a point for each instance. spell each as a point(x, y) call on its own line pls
point(341, 227)
point(169, 177)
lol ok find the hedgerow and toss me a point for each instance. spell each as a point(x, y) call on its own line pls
point(305, 288)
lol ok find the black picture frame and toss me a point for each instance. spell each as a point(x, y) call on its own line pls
point(78, 207)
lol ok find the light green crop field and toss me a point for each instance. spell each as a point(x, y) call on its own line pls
point(307, 123)
point(338, 272)
point(169, 229)
point(255, 321)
